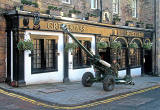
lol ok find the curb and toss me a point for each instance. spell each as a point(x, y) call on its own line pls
point(92, 103)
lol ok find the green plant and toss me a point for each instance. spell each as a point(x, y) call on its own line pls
point(25, 45)
point(116, 45)
point(26, 2)
point(101, 45)
point(116, 18)
point(147, 46)
point(133, 45)
point(54, 8)
point(70, 46)
point(74, 11)
point(139, 24)
point(127, 22)
point(149, 26)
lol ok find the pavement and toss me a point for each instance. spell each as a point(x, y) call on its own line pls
point(73, 93)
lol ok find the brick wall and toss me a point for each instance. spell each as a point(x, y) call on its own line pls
point(4, 5)
point(2, 49)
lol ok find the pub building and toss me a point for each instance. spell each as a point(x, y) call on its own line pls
point(48, 62)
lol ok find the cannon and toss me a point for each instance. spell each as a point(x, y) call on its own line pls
point(103, 69)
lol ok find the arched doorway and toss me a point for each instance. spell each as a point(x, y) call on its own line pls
point(122, 54)
point(136, 58)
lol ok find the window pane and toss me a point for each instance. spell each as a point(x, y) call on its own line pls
point(122, 58)
point(37, 54)
point(44, 55)
point(134, 7)
point(51, 57)
point(93, 4)
point(115, 6)
point(66, 1)
point(80, 58)
point(135, 58)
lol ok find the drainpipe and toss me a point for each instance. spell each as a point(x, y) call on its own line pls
point(155, 37)
point(100, 16)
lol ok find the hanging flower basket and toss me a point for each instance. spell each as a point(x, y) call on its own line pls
point(133, 45)
point(147, 46)
point(70, 46)
point(25, 45)
point(116, 45)
point(101, 45)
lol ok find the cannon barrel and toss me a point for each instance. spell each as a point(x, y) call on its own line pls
point(92, 57)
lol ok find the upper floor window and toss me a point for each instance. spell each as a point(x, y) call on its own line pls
point(134, 8)
point(93, 4)
point(66, 1)
point(115, 6)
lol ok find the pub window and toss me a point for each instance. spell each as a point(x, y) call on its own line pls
point(121, 59)
point(66, 1)
point(44, 58)
point(93, 4)
point(135, 56)
point(115, 6)
point(121, 55)
point(80, 58)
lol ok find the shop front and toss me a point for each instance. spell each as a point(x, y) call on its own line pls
point(49, 62)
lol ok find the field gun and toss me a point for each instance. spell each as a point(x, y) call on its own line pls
point(103, 69)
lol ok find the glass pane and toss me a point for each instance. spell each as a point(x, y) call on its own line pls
point(51, 57)
point(36, 54)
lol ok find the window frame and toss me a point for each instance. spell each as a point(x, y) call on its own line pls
point(83, 39)
point(134, 8)
point(65, 1)
point(115, 6)
point(44, 68)
point(94, 4)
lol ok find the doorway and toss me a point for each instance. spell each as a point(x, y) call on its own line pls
point(148, 62)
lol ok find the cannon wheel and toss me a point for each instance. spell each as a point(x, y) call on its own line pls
point(86, 79)
point(108, 83)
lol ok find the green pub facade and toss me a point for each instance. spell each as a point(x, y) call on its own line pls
point(49, 62)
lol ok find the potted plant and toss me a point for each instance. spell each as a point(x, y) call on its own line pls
point(133, 45)
point(29, 5)
point(147, 46)
point(149, 26)
point(74, 13)
point(101, 45)
point(54, 10)
point(116, 19)
point(116, 45)
point(25, 45)
point(129, 23)
point(139, 24)
point(71, 47)
point(132, 48)
point(93, 17)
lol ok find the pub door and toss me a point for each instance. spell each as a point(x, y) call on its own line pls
point(148, 62)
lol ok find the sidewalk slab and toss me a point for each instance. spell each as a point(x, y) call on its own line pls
point(73, 93)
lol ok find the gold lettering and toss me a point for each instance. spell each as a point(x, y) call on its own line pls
point(50, 25)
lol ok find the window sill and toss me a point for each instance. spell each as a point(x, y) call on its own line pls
point(82, 67)
point(43, 71)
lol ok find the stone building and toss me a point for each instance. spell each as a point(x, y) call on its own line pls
point(113, 20)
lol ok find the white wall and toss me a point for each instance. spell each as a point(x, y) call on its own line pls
point(76, 74)
point(47, 77)
point(122, 73)
point(136, 72)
